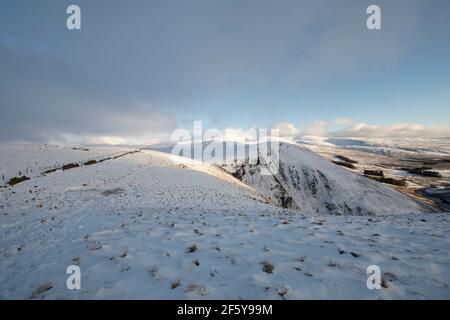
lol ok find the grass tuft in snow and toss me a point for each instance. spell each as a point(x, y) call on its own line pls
point(175, 284)
point(267, 267)
point(192, 248)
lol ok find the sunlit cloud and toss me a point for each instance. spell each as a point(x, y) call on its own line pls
point(351, 128)
point(286, 129)
point(400, 130)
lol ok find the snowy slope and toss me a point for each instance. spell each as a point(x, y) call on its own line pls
point(142, 226)
point(314, 185)
point(151, 179)
point(32, 160)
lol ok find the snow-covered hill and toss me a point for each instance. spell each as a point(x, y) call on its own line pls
point(311, 184)
point(33, 160)
point(142, 226)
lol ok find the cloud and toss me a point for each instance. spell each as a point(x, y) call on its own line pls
point(286, 129)
point(318, 128)
point(76, 139)
point(47, 99)
point(322, 127)
point(349, 128)
point(239, 135)
point(182, 58)
point(400, 130)
point(343, 122)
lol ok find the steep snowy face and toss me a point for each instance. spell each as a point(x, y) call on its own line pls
point(314, 185)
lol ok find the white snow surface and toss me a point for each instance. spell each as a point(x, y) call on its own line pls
point(129, 223)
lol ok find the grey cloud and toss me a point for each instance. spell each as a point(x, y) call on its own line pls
point(43, 96)
point(400, 130)
point(354, 129)
point(137, 67)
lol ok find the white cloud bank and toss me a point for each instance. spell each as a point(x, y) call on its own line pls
point(347, 128)
point(353, 129)
point(286, 129)
point(400, 130)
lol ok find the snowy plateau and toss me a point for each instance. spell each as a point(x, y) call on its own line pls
point(141, 226)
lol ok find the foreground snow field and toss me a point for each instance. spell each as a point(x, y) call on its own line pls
point(140, 226)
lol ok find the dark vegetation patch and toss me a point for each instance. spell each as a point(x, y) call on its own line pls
point(175, 284)
point(41, 289)
point(423, 171)
point(345, 164)
point(267, 267)
point(282, 292)
point(197, 232)
point(81, 149)
point(346, 159)
point(90, 162)
point(311, 181)
point(192, 249)
point(286, 201)
point(239, 173)
point(126, 153)
point(51, 170)
point(377, 173)
point(113, 191)
point(69, 166)
point(388, 180)
point(16, 180)
point(332, 263)
point(387, 278)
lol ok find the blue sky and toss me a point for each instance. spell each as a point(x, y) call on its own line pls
point(143, 68)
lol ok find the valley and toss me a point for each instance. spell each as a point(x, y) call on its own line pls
point(419, 168)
